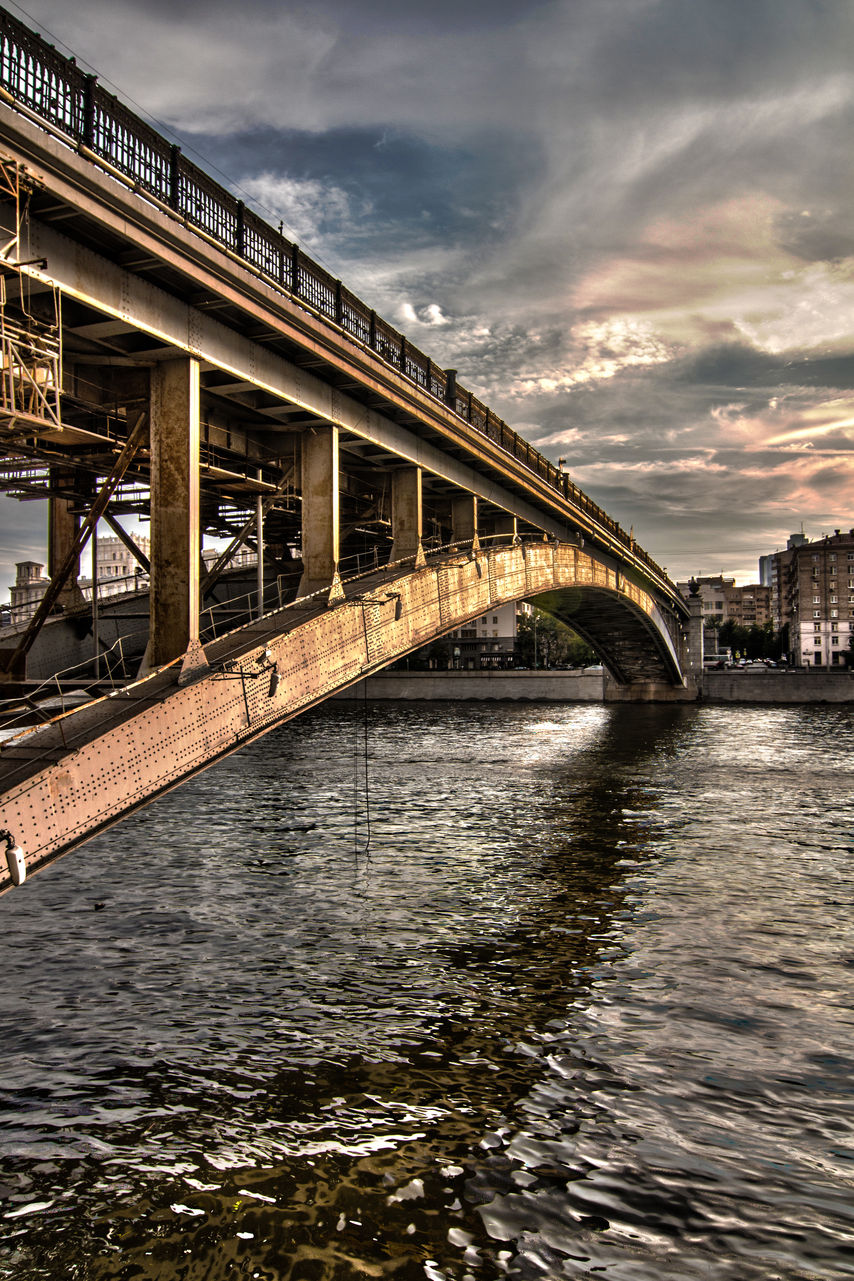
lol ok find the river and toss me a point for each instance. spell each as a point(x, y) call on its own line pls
point(584, 1006)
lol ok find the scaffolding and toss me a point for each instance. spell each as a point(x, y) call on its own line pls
point(30, 347)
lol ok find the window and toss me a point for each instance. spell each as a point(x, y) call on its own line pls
point(816, 600)
point(834, 600)
point(816, 627)
point(834, 613)
point(817, 658)
point(816, 613)
point(833, 555)
point(495, 618)
point(815, 555)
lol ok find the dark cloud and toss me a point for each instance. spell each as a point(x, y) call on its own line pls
point(626, 223)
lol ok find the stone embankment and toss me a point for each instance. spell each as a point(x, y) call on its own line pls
point(754, 686)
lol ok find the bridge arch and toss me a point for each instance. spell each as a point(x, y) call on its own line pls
point(633, 643)
point(65, 781)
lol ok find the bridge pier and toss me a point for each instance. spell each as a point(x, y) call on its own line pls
point(175, 537)
point(506, 523)
point(320, 511)
point(407, 514)
point(63, 526)
point(464, 518)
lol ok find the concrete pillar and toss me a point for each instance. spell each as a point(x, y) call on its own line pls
point(464, 519)
point(407, 514)
point(320, 511)
point(175, 540)
point(62, 528)
point(506, 523)
point(695, 636)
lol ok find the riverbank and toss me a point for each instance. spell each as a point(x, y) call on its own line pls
point(755, 686)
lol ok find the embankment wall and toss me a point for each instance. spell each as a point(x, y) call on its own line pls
point(592, 687)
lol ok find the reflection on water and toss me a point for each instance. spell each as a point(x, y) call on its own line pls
point(584, 1008)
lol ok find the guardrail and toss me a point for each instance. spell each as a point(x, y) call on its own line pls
point(39, 79)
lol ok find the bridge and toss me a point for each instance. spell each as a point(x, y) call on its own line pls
point(167, 356)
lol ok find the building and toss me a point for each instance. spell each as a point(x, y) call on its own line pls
point(814, 596)
point(29, 587)
point(722, 602)
point(748, 606)
point(487, 641)
point(767, 564)
point(117, 561)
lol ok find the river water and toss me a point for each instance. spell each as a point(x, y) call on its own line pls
point(585, 1007)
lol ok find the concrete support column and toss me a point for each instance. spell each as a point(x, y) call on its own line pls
point(175, 540)
point(320, 511)
point(63, 525)
point(407, 514)
point(464, 519)
point(694, 664)
point(505, 523)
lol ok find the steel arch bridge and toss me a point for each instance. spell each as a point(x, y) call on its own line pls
point(65, 781)
point(167, 356)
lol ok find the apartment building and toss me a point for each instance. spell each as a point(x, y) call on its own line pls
point(722, 601)
point(815, 596)
point(487, 641)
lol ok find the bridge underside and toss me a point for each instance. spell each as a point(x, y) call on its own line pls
point(64, 781)
point(632, 642)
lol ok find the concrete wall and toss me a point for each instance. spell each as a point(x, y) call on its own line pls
point(592, 687)
point(773, 686)
point(553, 687)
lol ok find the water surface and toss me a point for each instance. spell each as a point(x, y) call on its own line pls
point(584, 1007)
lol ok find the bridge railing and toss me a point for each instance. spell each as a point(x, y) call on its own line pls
point(36, 77)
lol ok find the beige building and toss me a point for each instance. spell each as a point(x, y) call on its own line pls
point(29, 587)
point(117, 561)
point(813, 590)
point(487, 641)
point(723, 602)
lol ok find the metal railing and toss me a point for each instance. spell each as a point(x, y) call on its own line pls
point(34, 76)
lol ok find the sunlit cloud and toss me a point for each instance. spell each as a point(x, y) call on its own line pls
point(627, 225)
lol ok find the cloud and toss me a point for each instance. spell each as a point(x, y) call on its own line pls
point(308, 209)
point(625, 222)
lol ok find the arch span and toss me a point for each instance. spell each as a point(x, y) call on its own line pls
point(64, 781)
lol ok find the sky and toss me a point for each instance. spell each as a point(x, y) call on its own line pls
point(626, 223)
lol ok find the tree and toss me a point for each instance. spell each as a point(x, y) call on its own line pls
point(556, 644)
point(750, 642)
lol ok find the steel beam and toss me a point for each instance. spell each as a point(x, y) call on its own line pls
point(175, 539)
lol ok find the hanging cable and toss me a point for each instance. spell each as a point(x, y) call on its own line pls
point(356, 784)
point(367, 848)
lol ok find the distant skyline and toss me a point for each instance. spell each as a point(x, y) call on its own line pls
point(627, 223)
